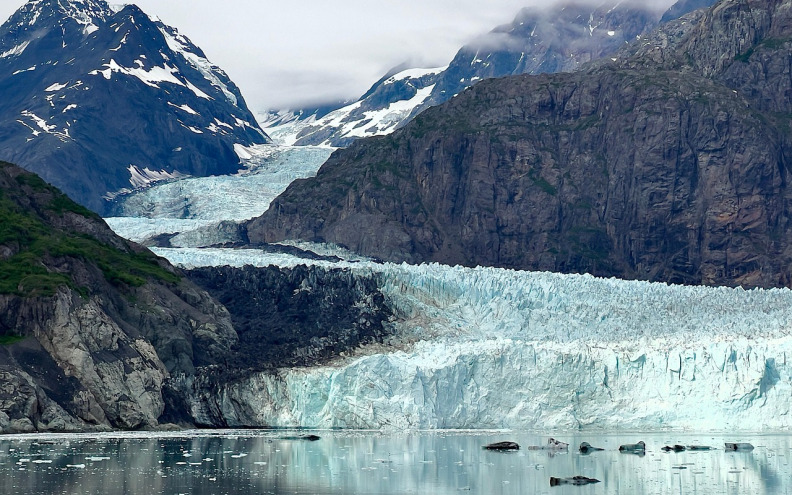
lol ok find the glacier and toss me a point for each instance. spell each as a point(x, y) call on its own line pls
point(495, 348)
point(194, 207)
point(487, 347)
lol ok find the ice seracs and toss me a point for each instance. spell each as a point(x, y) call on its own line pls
point(573, 352)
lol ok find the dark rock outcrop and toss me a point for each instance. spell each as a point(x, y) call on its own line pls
point(296, 316)
point(97, 101)
point(668, 164)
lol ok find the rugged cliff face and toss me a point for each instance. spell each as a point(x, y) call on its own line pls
point(669, 163)
point(98, 333)
point(92, 327)
point(295, 318)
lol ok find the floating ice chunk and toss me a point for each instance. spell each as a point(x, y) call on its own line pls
point(76, 466)
point(97, 458)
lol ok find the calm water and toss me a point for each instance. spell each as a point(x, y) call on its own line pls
point(244, 462)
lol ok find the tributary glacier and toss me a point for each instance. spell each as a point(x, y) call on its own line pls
point(496, 348)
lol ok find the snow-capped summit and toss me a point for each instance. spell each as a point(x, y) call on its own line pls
point(541, 39)
point(385, 107)
point(98, 100)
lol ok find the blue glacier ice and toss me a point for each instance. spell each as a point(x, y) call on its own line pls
point(496, 348)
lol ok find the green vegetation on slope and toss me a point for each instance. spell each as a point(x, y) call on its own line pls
point(26, 273)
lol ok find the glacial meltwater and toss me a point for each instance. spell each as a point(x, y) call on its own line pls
point(366, 462)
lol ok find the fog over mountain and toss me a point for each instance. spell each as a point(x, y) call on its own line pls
point(292, 60)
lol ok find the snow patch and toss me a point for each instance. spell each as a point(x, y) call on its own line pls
point(185, 108)
point(140, 178)
point(15, 51)
point(56, 87)
point(24, 70)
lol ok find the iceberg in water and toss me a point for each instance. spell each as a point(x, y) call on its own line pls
point(496, 348)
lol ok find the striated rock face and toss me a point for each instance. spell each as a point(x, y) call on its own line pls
point(92, 327)
point(667, 164)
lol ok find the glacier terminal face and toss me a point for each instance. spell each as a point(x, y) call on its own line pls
point(495, 348)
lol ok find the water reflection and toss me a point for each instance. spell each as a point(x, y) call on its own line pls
point(237, 462)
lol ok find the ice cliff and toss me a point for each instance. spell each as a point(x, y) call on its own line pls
point(495, 348)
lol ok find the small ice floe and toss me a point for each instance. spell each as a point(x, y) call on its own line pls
point(552, 444)
point(238, 456)
point(76, 466)
point(739, 446)
point(260, 463)
point(97, 459)
point(42, 461)
point(207, 459)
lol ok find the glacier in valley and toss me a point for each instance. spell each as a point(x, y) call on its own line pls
point(193, 207)
point(495, 348)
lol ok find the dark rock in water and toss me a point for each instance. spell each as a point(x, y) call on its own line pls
point(675, 448)
point(575, 480)
point(502, 446)
point(586, 448)
point(739, 446)
point(633, 447)
point(310, 438)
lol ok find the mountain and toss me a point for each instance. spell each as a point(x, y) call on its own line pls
point(92, 327)
point(669, 163)
point(539, 40)
point(97, 101)
point(386, 106)
point(98, 333)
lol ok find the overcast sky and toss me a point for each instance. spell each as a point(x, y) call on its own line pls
point(287, 53)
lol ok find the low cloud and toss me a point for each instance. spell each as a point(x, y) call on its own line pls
point(283, 53)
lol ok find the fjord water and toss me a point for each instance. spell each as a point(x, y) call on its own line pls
point(364, 462)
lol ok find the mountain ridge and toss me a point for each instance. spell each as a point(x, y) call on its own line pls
point(665, 164)
point(98, 101)
point(540, 39)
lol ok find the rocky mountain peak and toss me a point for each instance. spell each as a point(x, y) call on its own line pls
point(122, 97)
